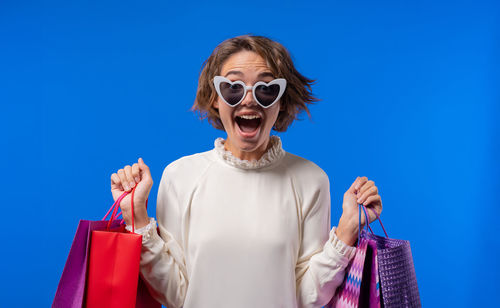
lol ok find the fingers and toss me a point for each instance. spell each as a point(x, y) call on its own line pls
point(372, 190)
point(366, 193)
point(367, 185)
point(116, 183)
point(372, 199)
point(360, 182)
point(136, 172)
point(357, 184)
point(373, 213)
point(123, 179)
point(129, 177)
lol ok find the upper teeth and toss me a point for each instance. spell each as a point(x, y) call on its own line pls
point(249, 116)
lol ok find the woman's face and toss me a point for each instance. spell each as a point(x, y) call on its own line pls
point(247, 138)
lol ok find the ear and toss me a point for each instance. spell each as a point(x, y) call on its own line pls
point(282, 107)
point(215, 103)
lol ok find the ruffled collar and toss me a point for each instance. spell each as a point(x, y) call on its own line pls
point(273, 154)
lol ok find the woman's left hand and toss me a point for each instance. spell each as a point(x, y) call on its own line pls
point(362, 191)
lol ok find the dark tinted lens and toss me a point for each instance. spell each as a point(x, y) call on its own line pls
point(267, 94)
point(232, 94)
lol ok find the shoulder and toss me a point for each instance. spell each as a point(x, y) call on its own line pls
point(188, 168)
point(189, 162)
point(304, 171)
point(310, 183)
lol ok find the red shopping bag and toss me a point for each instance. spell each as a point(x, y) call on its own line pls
point(114, 260)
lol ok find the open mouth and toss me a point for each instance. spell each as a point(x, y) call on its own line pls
point(248, 123)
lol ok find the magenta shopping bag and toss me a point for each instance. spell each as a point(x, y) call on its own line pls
point(360, 287)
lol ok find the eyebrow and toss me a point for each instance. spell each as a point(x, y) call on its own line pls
point(261, 75)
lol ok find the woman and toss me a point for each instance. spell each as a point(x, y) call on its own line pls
point(245, 224)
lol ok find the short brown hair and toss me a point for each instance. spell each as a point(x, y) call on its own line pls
point(297, 94)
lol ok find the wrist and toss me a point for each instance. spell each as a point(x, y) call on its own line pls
point(142, 229)
point(141, 217)
point(141, 223)
point(347, 231)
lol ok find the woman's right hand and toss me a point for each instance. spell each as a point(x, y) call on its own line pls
point(124, 180)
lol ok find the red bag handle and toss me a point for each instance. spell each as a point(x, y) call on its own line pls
point(116, 205)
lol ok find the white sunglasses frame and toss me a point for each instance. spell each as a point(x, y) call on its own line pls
point(279, 81)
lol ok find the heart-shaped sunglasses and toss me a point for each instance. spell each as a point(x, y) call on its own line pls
point(265, 94)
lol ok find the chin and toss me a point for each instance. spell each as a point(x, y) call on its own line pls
point(248, 145)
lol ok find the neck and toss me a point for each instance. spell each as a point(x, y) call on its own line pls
point(248, 155)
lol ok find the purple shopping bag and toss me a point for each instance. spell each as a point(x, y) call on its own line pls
point(360, 287)
point(71, 289)
point(398, 281)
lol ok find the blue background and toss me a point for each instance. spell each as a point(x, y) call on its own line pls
point(410, 98)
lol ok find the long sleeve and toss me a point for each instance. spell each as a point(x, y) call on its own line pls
point(323, 257)
point(163, 265)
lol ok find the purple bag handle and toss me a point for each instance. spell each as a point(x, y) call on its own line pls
point(361, 206)
point(359, 220)
point(379, 220)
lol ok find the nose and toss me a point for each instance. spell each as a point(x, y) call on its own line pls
point(248, 100)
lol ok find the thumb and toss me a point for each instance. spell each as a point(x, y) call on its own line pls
point(353, 189)
point(144, 169)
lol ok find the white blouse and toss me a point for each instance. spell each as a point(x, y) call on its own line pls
point(237, 233)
